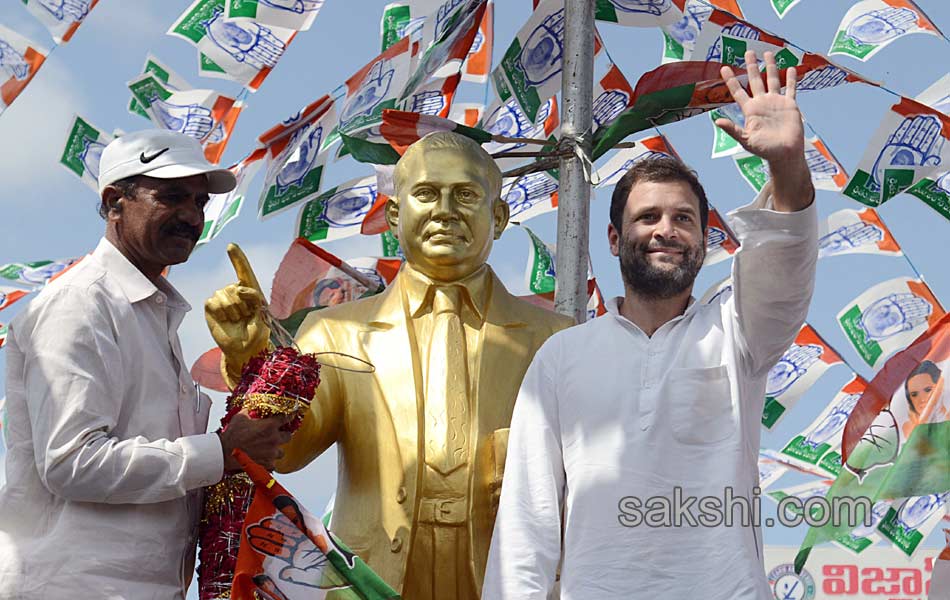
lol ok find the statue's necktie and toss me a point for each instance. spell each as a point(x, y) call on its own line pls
point(446, 402)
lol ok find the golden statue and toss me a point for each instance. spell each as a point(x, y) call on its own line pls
point(422, 440)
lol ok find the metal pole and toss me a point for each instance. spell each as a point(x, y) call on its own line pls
point(573, 213)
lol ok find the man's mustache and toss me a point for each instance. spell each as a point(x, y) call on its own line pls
point(184, 230)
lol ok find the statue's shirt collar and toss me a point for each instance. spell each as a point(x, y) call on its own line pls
point(475, 291)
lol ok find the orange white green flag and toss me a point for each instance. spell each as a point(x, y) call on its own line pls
point(896, 446)
point(288, 554)
point(20, 59)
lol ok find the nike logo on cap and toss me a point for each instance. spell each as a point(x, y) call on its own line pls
point(147, 159)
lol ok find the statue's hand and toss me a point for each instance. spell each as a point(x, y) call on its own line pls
point(498, 441)
point(235, 318)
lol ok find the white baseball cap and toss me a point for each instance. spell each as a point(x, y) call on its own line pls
point(162, 154)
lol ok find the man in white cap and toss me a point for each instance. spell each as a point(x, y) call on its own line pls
point(106, 445)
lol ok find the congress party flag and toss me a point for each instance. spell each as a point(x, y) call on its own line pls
point(912, 142)
point(338, 212)
point(541, 278)
point(618, 165)
point(478, 62)
point(826, 172)
point(639, 13)
point(679, 38)
point(935, 192)
point(297, 281)
point(205, 115)
point(816, 448)
point(297, 154)
point(723, 143)
point(20, 59)
point(530, 195)
point(870, 25)
point(530, 70)
point(467, 113)
point(781, 7)
point(241, 51)
point(856, 232)
point(612, 96)
point(221, 209)
point(725, 38)
point(83, 149)
point(10, 294)
point(721, 242)
point(398, 22)
point(35, 274)
point(3, 340)
point(504, 118)
point(61, 17)
point(287, 14)
point(808, 358)
point(445, 41)
point(433, 98)
point(895, 444)
point(888, 316)
point(770, 469)
point(171, 80)
point(277, 532)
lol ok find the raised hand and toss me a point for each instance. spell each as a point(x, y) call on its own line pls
point(608, 106)
point(67, 10)
point(234, 316)
point(12, 62)
point(893, 314)
point(280, 538)
point(847, 237)
point(249, 43)
point(300, 162)
point(373, 89)
point(90, 155)
point(295, 6)
point(789, 369)
point(192, 120)
point(879, 26)
point(916, 142)
point(773, 129)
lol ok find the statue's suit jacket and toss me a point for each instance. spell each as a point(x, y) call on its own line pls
point(377, 418)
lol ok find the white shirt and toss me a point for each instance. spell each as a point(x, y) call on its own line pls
point(606, 413)
point(106, 450)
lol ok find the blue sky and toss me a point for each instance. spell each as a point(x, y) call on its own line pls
point(50, 214)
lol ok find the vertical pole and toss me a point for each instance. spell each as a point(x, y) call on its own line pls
point(573, 213)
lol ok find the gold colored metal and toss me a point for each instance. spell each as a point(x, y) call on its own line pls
point(444, 386)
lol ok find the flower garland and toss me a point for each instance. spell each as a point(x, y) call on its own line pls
point(279, 382)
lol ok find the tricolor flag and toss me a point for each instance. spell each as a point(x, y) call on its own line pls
point(618, 165)
point(799, 368)
point(723, 143)
point(374, 88)
point(781, 7)
point(770, 469)
point(241, 51)
point(816, 448)
point(398, 22)
point(612, 96)
point(937, 96)
point(504, 119)
point(221, 209)
point(652, 13)
point(61, 17)
point(287, 14)
point(37, 273)
point(541, 278)
point(296, 156)
point(530, 70)
point(402, 129)
point(935, 193)
point(721, 242)
point(205, 115)
point(679, 38)
point(21, 60)
point(912, 143)
point(895, 445)
point(478, 62)
point(826, 172)
point(725, 38)
point(10, 294)
point(467, 113)
point(529, 196)
point(163, 73)
point(83, 149)
point(677, 91)
point(277, 532)
point(856, 232)
point(309, 277)
point(338, 212)
point(888, 316)
point(3, 337)
point(870, 25)
point(447, 37)
point(432, 98)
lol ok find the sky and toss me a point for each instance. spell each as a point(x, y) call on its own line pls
point(50, 214)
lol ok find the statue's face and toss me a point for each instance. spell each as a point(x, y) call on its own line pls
point(445, 216)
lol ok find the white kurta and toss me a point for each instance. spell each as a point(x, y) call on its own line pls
point(106, 450)
point(606, 413)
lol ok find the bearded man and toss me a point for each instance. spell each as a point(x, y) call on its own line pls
point(628, 428)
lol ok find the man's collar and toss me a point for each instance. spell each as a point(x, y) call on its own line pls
point(134, 284)
point(613, 308)
point(476, 290)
